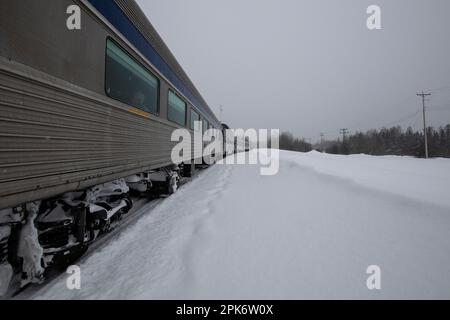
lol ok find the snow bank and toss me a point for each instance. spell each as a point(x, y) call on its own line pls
point(419, 179)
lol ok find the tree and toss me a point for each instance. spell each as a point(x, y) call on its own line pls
point(394, 141)
point(288, 142)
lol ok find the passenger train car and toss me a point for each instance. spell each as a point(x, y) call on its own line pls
point(86, 115)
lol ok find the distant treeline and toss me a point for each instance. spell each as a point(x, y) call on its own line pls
point(393, 141)
point(288, 142)
point(387, 141)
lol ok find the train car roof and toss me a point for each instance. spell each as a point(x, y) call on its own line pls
point(127, 17)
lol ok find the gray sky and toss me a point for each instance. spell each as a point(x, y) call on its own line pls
point(311, 66)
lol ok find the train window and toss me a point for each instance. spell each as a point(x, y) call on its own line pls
point(194, 117)
point(176, 109)
point(205, 125)
point(129, 82)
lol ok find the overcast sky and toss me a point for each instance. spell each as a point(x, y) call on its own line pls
point(311, 66)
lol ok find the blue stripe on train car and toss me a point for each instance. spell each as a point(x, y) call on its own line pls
point(115, 16)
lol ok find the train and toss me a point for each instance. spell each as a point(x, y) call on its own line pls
point(86, 117)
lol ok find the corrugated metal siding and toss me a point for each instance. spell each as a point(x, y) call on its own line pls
point(51, 137)
point(58, 132)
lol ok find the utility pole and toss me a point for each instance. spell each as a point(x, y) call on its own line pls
point(343, 131)
point(321, 139)
point(448, 139)
point(221, 110)
point(423, 95)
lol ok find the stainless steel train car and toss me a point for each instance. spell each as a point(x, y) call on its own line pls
point(86, 114)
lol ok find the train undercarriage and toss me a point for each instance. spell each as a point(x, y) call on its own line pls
point(55, 232)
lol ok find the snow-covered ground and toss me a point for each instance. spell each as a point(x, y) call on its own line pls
point(310, 231)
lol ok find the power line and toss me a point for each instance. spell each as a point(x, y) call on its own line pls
point(403, 102)
point(409, 116)
point(439, 107)
point(392, 123)
point(401, 120)
point(400, 103)
point(439, 89)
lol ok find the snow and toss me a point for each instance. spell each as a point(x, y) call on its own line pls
point(420, 179)
point(29, 249)
point(311, 231)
